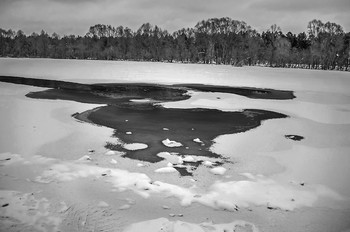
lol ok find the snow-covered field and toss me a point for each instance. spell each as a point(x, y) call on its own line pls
point(55, 173)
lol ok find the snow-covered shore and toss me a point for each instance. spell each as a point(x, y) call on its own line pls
point(271, 183)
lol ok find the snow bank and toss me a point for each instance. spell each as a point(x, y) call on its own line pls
point(262, 191)
point(163, 224)
point(170, 143)
point(93, 71)
point(232, 195)
point(134, 146)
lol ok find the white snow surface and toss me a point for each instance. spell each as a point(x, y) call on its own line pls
point(165, 225)
point(255, 190)
point(320, 112)
point(93, 71)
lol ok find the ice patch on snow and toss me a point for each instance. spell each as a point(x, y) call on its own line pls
point(135, 146)
point(170, 143)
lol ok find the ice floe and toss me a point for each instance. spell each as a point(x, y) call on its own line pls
point(140, 100)
point(165, 170)
point(170, 143)
point(188, 158)
point(134, 146)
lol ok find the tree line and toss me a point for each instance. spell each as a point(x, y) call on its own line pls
point(215, 41)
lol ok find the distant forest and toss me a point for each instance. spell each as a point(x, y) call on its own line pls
point(212, 41)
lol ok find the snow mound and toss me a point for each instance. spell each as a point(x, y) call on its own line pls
point(218, 170)
point(163, 224)
point(208, 163)
point(85, 158)
point(170, 143)
point(110, 153)
point(135, 146)
point(103, 204)
point(113, 161)
point(165, 170)
point(188, 158)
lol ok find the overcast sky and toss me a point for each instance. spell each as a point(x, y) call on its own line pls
point(76, 16)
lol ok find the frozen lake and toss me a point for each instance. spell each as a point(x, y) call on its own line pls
point(287, 171)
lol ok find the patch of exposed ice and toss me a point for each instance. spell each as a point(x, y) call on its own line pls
point(218, 170)
point(163, 224)
point(165, 170)
point(135, 146)
point(170, 143)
